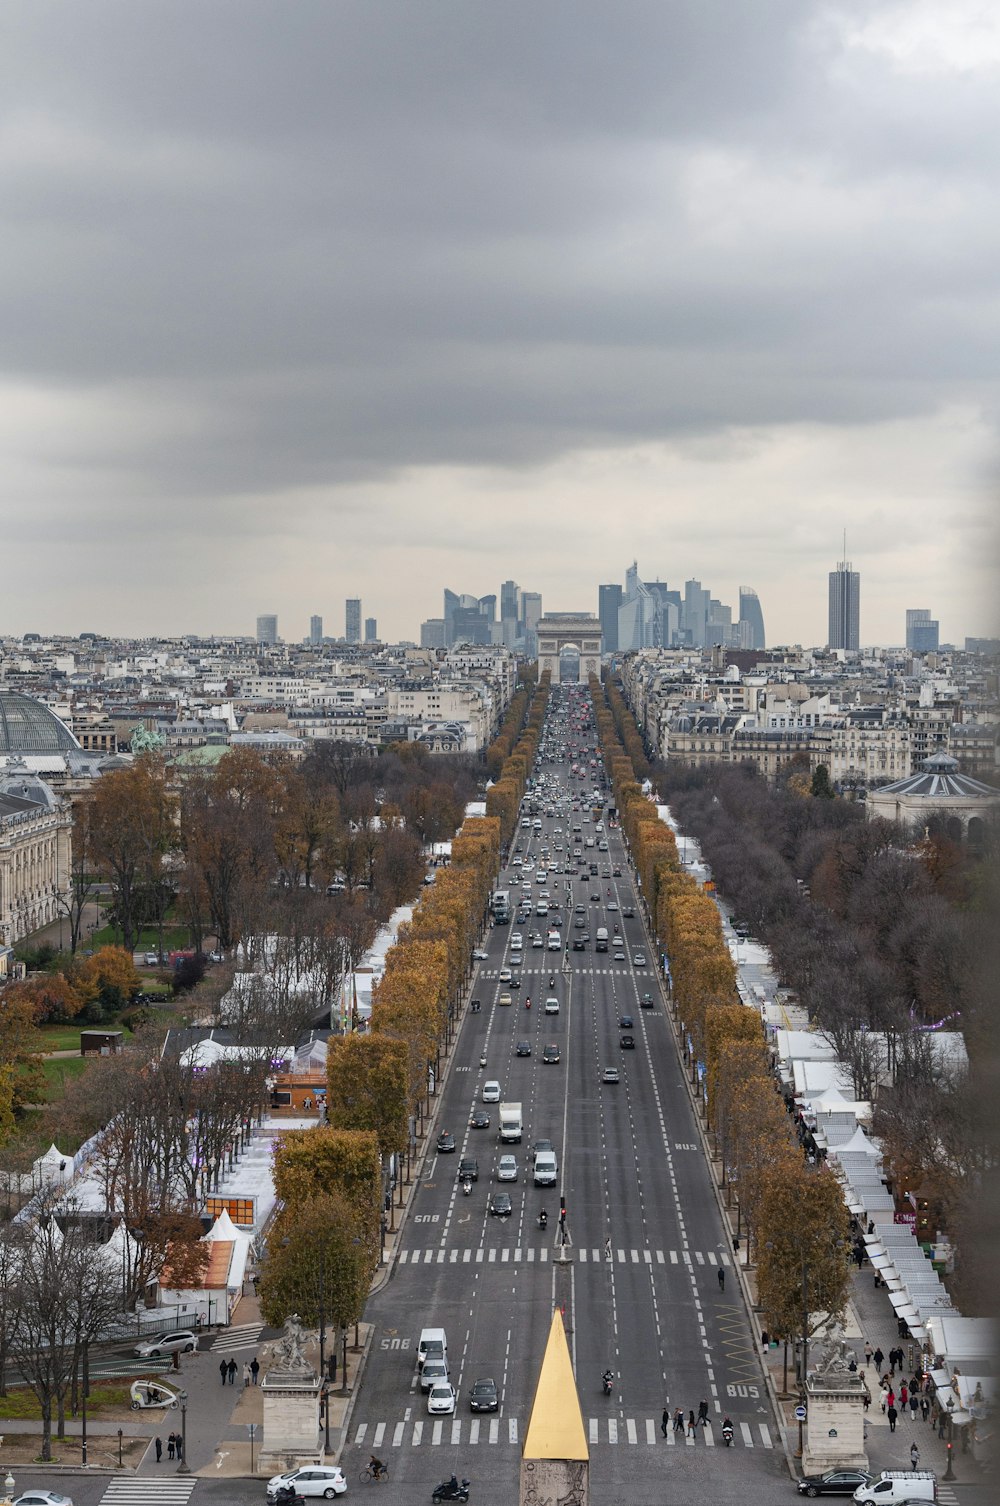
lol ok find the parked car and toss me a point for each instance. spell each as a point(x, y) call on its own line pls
point(152, 959)
point(180, 1341)
point(43, 1498)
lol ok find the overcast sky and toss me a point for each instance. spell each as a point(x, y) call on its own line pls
point(307, 300)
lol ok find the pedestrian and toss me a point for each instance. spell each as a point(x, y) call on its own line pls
point(869, 1351)
point(703, 1413)
point(231, 1368)
point(942, 1419)
point(890, 1397)
point(170, 1445)
point(246, 1375)
point(254, 1369)
point(878, 1357)
point(722, 1279)
point(607, 1248)
point(914, 1455)
point(678, 1421)
point(892, 1414)
point(925, 1407)
point(223, 1370)
point(904, 1396)
point(867, 1398)
point(159, 1449)
point(665, 1421)
point(690, 1432)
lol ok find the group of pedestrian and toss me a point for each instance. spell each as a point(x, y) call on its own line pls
point(675, 1420)
point(175, 1447)
point(227, 1372)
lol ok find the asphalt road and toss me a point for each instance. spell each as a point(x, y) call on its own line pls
point(640, 1287)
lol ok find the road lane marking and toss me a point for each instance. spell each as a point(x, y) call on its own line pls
point(418, 1433)
point(630, 1429)
point(747, 1435)
point(397, 1434)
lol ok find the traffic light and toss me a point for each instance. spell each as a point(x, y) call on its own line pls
point(562, 1210)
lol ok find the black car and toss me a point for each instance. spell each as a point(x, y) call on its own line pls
point(551, 1054)
point(616, 871)
point(837, 1482)
point(445, 1142)
point(646, 1002)
point(628, 913)
point(627, 1042)
point(515, 980)
point(468, 1168)
point(523, 1048)
point(483, 1396)
point(579, 943)
point(626, 1022)
point(501, 1205)
point(479, 1119)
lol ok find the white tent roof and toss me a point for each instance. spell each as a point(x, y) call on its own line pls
point(859, 1142)
point(223, 1228)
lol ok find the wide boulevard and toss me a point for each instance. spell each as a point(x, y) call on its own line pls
point(639, 1284)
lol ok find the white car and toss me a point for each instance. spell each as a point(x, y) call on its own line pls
point(326, 1480)
point(504, 975)
point(552, 1005)
point(507, 1169)
point(441, 1399)
point(491, 1091)
point(480, 955)
point(516, 942)
point(43, 1498)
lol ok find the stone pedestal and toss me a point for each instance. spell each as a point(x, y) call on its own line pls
point(835, 1422)
point(554, 1482)
point(291, 1433)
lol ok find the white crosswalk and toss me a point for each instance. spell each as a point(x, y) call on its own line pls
point(146, 1490)
point(526, 1254)
point(241, 1336)
point(643, 1432)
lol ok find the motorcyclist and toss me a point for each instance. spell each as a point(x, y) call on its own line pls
point(527, 1003)
point(543, 1219)
point(466, 1186)
point(453, 1485)
point(608, 1379)
point(727, 1428)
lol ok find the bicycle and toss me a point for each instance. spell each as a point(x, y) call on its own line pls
point(369, 1474)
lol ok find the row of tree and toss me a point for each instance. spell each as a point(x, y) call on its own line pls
point(794, 1216)
point(323, 1248)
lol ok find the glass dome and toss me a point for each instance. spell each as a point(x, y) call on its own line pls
point(28, 727)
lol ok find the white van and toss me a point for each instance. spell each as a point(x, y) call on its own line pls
point(433, 1345)
point(546, 1169)
point(894, 1485)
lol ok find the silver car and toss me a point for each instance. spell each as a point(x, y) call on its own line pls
point(181, 1341)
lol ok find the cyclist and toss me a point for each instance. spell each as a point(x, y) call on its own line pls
point(377, 1467)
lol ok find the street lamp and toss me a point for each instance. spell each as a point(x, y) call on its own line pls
point(184, 1468)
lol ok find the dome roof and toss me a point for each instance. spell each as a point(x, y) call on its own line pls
point(26, 726)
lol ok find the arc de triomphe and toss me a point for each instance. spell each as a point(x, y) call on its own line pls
point(559, 630)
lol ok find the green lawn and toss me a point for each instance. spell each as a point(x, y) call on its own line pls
point(175, 938)
point(21, 1404)
point(59, 1072)
point(60, 1037)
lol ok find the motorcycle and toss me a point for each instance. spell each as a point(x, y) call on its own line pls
point(607, 1381)
point(466, 1186)
point(482, 1061)
point(543, 1219)
point(527, 1003)
point(446, 1491)
point(727, 1433)
point(616, 928)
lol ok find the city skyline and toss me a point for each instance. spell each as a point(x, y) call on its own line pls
point(376, 307)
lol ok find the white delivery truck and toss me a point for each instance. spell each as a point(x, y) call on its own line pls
point(894, 1485)
point(510, 1123)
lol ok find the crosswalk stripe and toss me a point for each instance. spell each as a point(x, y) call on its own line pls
point(517, 1253)
point(659, 1257)
point(402, 1256)
point(493, 1256)
point(359, 1436)
point(504, 1256)
point(701, 1259)
point(709, 1437)
point(592, 1430)
point(436, 1430)
point(512, 1429)
point(637, 1432)
point(747, 1435)
point(474, 1430)
point(494, 1429)
point(440, 1259)
point(673, 1257)
point(245, 1336)
point(583, 1254)
point(612, 1430)
point(765, 1434)
point(725, 1259)
point(428, 1257)
point(418, 1433)
point(687, 1257)
point(648, 1256)
point(621, 1257)
point(130, 1490)
point(466, 1256)
point(479, 1255)
point(456, 1434)
point(630, 1429)
point(635, 1257)
point(711, 1258)
point(397, 1434)
point(531, 1253)
point(650, 1430)
point(378, 1436)
point(453, 1256)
